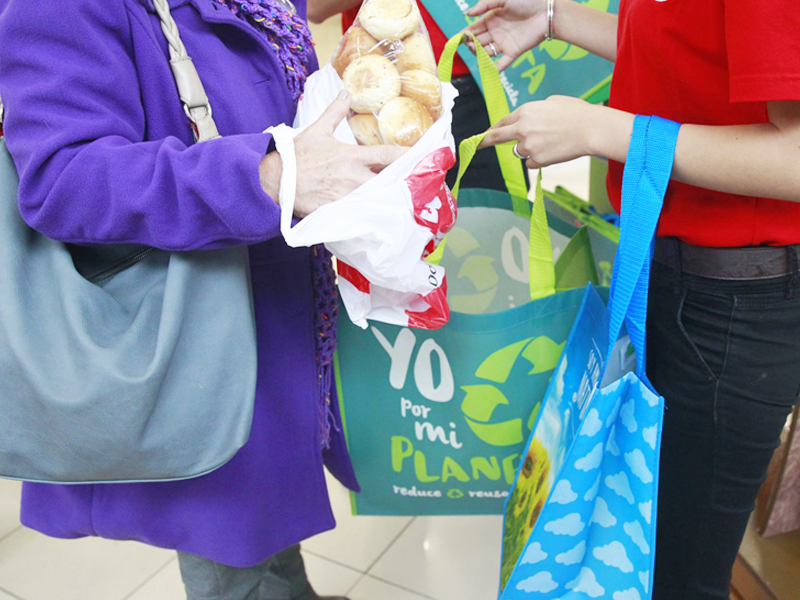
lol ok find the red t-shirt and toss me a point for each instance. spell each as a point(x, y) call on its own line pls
point(438, 38)
point(710, 62)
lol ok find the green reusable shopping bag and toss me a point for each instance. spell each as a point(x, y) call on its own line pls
point(553, 67)
point(436, 420)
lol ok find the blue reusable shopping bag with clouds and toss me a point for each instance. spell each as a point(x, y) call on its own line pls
point(580, 521)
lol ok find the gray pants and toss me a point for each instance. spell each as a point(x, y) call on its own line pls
point(281, 577)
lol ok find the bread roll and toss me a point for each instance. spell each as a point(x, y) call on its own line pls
point(416, 54)
point(390, 19)
point(365, 128)
point(355, 44)
point(403, 122)
point(372, 82)
point(425, 88)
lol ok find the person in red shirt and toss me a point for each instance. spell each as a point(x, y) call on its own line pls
point(469, 115)
point(724, 316)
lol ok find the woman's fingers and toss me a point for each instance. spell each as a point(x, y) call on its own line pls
point(485, 6)
point(480, 31)
point(478, 27)
point(334, 114)
point(499, 135)
point(377, 158)
point(470, 43)
point(508, 120)
point(484, 38)
point(365, 166)
point(332, 170)
point(486, 41)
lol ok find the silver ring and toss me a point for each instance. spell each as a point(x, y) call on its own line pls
point(518, 155)
point(492, 49)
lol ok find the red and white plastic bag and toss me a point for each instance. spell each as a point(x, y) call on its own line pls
point(380, 233)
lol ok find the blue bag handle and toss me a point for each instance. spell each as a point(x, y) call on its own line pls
point(647, 172)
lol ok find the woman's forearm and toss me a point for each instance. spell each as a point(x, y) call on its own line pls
point(591, 29)
point(749, 160)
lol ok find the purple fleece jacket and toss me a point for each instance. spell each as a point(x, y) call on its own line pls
point(105, 155)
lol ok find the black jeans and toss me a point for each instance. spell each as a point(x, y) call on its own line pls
point(470, 118)
point(726, 357)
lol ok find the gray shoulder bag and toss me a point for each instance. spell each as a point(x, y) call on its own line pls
point(123, 369)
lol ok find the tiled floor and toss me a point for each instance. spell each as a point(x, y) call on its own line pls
point(366, 558)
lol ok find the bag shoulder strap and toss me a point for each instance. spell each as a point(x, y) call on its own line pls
point(190, 87)
point(648, 169)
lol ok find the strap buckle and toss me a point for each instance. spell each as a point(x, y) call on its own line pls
point(190, 109)
point(203, 126)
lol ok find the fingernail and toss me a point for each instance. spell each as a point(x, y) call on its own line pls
point(344, 95)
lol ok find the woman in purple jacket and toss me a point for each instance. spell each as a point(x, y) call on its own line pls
point(105, 155)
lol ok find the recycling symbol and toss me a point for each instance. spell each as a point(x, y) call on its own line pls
point(455, 494)
point(476, 269)
point(484, 405)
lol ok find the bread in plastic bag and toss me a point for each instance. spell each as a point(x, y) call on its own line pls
point(387, 65)
point(382, 232)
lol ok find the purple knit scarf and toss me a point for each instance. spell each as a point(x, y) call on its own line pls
point(291, 39)
point(326, 304)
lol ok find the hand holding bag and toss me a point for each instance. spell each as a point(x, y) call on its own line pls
point(147, 372)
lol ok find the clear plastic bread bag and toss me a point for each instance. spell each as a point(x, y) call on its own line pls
point(387, 65)
point(382, 232)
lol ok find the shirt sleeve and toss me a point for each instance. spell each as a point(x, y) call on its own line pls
point(76, 129)
point(763, 39)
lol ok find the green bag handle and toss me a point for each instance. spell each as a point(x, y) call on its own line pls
point(540, 253)
point(578, 207)
point(497, 106)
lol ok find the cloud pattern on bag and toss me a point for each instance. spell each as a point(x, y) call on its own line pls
point(605, 494)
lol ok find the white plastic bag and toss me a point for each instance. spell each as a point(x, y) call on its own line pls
point(381, 232)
